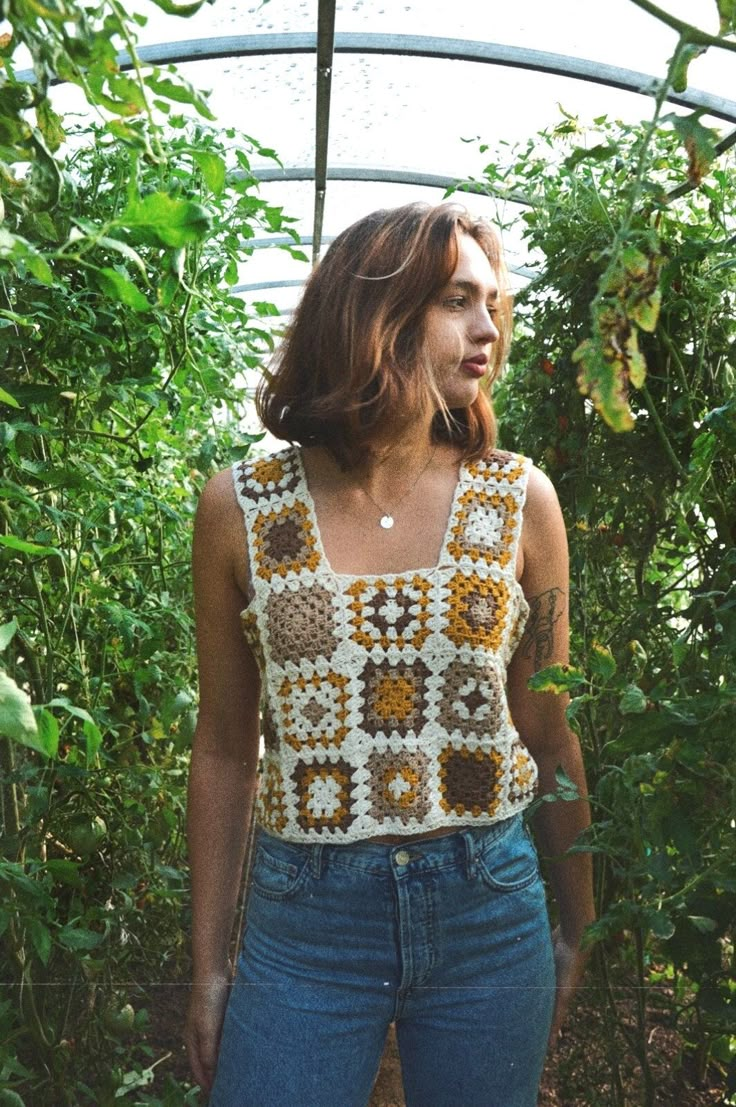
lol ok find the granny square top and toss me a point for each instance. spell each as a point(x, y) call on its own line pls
point(383, 696)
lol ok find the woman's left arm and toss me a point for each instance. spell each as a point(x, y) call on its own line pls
point(540, 719)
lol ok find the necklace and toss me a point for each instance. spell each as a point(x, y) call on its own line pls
point(387, 519)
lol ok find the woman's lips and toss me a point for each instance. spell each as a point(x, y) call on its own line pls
point(476, 366)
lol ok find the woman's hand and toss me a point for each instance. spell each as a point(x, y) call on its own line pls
point(204, 1026)
point(569, 967)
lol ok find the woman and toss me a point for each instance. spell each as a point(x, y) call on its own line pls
point(393, 878)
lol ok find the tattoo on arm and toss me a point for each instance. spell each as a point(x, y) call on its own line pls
point(537, 639)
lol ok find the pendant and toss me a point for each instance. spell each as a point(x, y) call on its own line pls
point(387, 521)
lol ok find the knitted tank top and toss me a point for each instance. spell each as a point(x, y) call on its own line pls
point(383, 697)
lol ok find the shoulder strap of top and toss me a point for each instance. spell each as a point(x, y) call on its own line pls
point(509, 472)
point(266, 489)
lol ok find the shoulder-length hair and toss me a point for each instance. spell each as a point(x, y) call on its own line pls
point(351, 362)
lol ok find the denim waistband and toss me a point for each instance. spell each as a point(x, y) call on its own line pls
point(456, 848)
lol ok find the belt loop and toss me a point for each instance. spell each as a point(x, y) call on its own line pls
point(317, 860)
point(469, 844)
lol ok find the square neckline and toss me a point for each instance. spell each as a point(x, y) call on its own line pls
point(312, 509)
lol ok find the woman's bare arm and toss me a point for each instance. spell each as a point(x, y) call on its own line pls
point(224, 761)
point(540, 719)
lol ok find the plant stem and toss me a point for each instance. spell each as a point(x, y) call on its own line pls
point(641, 1019)
point(662, 433)
point(48, 690)
point(687, 31)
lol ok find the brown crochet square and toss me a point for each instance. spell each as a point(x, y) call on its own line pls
point(473, 701)
point(284, 541)
point(399, 785)
point(470, 780)
point(301, 624)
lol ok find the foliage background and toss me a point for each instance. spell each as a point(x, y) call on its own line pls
point(122, 350)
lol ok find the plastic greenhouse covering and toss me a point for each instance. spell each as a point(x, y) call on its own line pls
point(412, 91)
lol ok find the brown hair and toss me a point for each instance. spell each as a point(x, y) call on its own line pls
point(352, 359)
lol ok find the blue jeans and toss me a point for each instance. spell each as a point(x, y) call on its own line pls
point(448, 937)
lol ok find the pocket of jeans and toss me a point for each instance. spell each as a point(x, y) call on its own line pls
point(510, 863)
point(274, 878)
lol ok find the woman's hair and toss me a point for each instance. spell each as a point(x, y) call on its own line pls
point(352, 358)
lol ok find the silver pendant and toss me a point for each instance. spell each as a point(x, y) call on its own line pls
point(387, 521)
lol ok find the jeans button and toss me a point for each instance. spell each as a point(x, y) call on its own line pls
point(402, 857)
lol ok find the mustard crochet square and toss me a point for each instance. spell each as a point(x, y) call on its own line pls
point(477, 610)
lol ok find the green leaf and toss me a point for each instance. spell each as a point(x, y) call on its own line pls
point(16, 714)
point(6, 398)
point(683, 56)
point(660, 924)
point(65, 871)
point(567, 789)
point(14, 543)
point(702, 923)
point(127, 252)
point(601, 377)
point(633, 701)
point(7, 630)
point(185, 10)
point(50, 125)
point(9, 1098)
point(17, 249)
point(94, 740)
point(557, 678)
point(180, 91)
point(680, 649)
point(727, 13)
point(41, 938)
point(48, 731)
point(121, 288)
point(78, 712)
point(173, 222)
point(76, 938)
point(213, 170)
point(39, 267)
point(595, 153)
point(602, 662)
point(699, 141)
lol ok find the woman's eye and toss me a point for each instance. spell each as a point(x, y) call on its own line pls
point(455, 302)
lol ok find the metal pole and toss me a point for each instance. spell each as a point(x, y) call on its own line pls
point(325, 50)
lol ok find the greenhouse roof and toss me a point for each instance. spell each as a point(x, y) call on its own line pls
point(370, 104)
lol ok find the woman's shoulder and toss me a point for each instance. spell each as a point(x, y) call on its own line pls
point(541, 495)
point(543, 525)
point(217, 508)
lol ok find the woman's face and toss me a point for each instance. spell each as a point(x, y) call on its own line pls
point(459, 326)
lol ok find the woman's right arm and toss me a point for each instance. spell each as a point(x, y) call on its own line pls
point(224, 762)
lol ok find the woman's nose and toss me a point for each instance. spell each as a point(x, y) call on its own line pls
point(485, 328)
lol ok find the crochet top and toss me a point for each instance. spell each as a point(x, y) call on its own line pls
point(383, 697)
